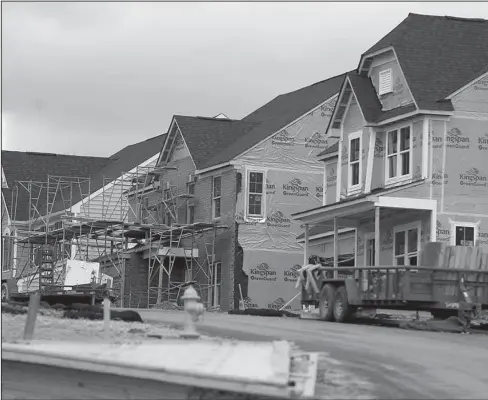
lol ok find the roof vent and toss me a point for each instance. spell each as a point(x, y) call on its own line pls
point(33, 153)
point(221, 116)
point(466, 19)
point(213, 119)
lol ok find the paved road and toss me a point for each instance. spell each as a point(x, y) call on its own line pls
point(369, 362)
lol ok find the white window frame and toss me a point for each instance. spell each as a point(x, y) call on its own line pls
point(405, 228)
point(214, 216)
point(381, 89)
point(455, 224)
point(248, 193)
point(350, 186)
point(398, 178)
point(216, 293)
point(190, 204)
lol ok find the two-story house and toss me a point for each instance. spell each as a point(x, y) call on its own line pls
point(410, 164)
point(248, 175)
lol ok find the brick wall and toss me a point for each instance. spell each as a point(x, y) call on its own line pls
point(224, 239)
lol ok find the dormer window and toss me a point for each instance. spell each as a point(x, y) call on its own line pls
point(385, 84)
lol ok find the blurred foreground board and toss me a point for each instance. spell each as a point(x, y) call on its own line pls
point(175, 367)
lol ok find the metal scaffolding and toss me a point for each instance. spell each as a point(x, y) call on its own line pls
point(142, 220)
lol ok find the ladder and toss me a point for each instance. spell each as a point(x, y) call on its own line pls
point(46, 267)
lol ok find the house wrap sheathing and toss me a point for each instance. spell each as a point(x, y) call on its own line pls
point(294, 182)
point(460, 163)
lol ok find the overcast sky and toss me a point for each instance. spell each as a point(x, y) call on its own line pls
point(91, 78)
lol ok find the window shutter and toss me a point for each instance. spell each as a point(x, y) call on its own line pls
point(385, 82)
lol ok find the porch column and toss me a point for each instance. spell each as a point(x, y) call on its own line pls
point(305, 250)
point(433, 224)
point(336, 255)
point(376, 236)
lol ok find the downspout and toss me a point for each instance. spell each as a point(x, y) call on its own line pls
point(444, 151)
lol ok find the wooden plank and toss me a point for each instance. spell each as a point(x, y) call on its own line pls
point(447, 256)
point(474, 256)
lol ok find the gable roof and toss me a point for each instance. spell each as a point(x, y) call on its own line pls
point(274, 116)
point(329, 150)
point(119, 163)
point(438, 55)
point(29, 166)
point(206, 137)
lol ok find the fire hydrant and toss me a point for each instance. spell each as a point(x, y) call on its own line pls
point(193, 310)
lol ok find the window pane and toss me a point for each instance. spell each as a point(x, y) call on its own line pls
point(259, 187)
point(216, 187)
point(413, 240)
point(255, 204)
point(216, 208)
point(256, 177)
point(392, 166)
point(392, 142)
point(405, 138)
point(400, 243)
point(354, 150)
point(412, 260)
point(252, 187)
point(400, 260)
point(406, 163)
point(464, 236)
point(355, 174)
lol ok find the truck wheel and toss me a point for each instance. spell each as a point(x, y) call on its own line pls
point(326, 300)
point(342, 310)
point(4, 292)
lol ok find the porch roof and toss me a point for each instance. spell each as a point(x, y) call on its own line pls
point(349, 212)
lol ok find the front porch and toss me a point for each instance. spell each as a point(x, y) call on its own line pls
point(389, 231)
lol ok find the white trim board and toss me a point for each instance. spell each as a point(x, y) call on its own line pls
point(406, 202)
point(466, 86)
point(454, 224)
point(326, 234)
point(76, 208)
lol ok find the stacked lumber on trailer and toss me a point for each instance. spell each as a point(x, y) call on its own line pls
point(440, 255)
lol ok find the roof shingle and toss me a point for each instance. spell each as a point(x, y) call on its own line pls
point(438, 55)
point(272, 117)
point(20, 166)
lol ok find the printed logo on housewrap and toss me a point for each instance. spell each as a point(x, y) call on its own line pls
point(398, 87)
point(437, 141)
point(292, 274)
point(295, 188)
point(278, 304)
point(283, 138)
point(327, 109)
point(483, 238)
point(483, 142)
point(179, 143)
point(248, 303)
point(443, 235)
point(482, 84)
point(345, 155)
point(319, 191)
point(316, 141)
point(418, 173)
point(456, 140)
point(378, 148)
point(473, 177)
point(387, 242)
point(331, 177)
point(437, 177)
point(263, 273)
point(278, 220)
point(270, 187)
point(239, 218)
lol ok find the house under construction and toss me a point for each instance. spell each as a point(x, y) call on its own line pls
point(141, 243)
